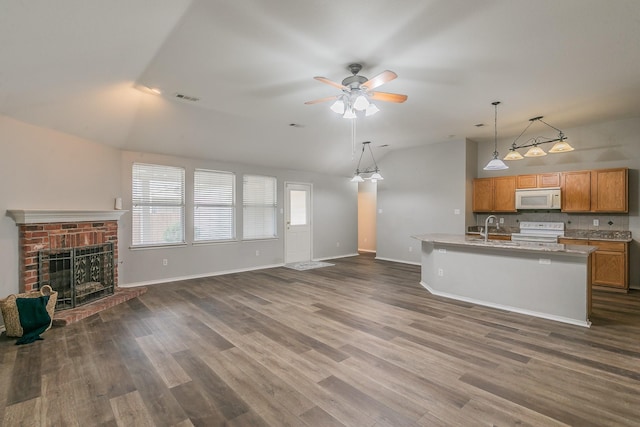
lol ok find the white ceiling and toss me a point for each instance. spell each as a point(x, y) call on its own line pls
point(77, 66)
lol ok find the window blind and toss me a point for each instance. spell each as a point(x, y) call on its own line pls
point(158, 205)
point(259, 200)
point(214, 205)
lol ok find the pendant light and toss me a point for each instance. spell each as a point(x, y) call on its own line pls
point(374, 171)
point(561, 145)
point(495, 164)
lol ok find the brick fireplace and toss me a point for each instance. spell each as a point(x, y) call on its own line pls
point(54, 230)
point(49, 231)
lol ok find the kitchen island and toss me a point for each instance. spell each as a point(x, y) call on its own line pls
point(547, 280)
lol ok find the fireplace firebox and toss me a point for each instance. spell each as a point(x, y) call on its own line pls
point(80, 275)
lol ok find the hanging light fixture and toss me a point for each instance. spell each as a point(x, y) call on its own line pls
point(374, 172)
point(535, 151)
point(495, 164)
point(561, 145)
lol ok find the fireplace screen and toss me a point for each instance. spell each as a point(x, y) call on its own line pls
point(79, 275)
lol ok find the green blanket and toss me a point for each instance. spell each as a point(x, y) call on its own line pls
point(34, 318)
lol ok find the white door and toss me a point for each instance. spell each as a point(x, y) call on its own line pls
point(297, 222)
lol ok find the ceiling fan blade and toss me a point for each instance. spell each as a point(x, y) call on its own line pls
point(380, 79)
point(317, 101)
point(331, 83)
point(388, 97)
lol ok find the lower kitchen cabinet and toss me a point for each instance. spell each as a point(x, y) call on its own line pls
point(609, 264)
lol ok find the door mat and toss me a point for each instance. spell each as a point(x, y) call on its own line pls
point(307, 265)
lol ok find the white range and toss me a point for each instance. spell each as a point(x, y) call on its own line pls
point(542, 232)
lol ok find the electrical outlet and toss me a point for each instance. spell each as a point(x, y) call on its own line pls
point(501, 220)
point(545, 261)
point(257, 253)
point(337, 244)
point(440, 272)
point(456, 211)
point(596, 222)
point(490, 220)
point(165, 262)
point(410, 248)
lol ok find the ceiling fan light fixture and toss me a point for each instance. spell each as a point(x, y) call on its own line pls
point(338, 107)
point(357, 178)
point(371, 109)
point(376, 176)
point(361, 103)
point(349, 114)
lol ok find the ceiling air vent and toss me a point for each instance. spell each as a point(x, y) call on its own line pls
point(184, 97)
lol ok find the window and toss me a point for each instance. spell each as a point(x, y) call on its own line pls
point(259, 207)
point(214, 206)
point(158, 205)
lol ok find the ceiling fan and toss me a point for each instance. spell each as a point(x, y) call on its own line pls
point(357, 93)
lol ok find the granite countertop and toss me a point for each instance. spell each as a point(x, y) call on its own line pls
point(612, 235)
point(617, 236)
point(473, 241)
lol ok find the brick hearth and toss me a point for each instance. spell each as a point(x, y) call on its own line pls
point(65, 317)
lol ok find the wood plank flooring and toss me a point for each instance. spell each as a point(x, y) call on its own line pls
point(357, 344)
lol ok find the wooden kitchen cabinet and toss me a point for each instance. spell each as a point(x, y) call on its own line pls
point(609, 190)
point(483, 195)
point(494, 194)
point(576, 191)
point(542, 180)
point(609, 264)
point(600, 190)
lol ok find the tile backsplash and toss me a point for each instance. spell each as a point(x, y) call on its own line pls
point(571, 221)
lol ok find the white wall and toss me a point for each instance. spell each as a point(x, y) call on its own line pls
point(421, 190)
point(367, 208)
point(334, 225)
point(597, 146)
point(45, 169)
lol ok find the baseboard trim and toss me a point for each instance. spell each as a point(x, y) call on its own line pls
point(370, 251)
point(398, 260)
point(197, 276)
point(336, 257)
point(586, 324)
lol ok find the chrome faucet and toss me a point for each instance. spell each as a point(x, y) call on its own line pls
point(486, 227)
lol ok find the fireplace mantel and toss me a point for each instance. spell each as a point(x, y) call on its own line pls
point(33, 216)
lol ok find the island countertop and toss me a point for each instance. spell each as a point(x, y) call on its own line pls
point(474, 241)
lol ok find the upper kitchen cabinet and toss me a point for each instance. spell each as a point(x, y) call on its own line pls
point(543, 180)
point(609, 190)
point(576, 191)
point(494, 194)
point(602, 190)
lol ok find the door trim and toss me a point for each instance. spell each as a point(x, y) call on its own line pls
point(284, 217)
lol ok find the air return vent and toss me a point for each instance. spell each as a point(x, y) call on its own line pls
point(184, 97)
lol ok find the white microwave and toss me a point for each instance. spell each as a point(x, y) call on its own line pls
point(538, 198)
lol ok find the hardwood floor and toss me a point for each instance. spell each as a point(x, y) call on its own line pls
point(357, 344)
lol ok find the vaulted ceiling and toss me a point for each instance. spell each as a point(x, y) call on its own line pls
point(82, 66)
